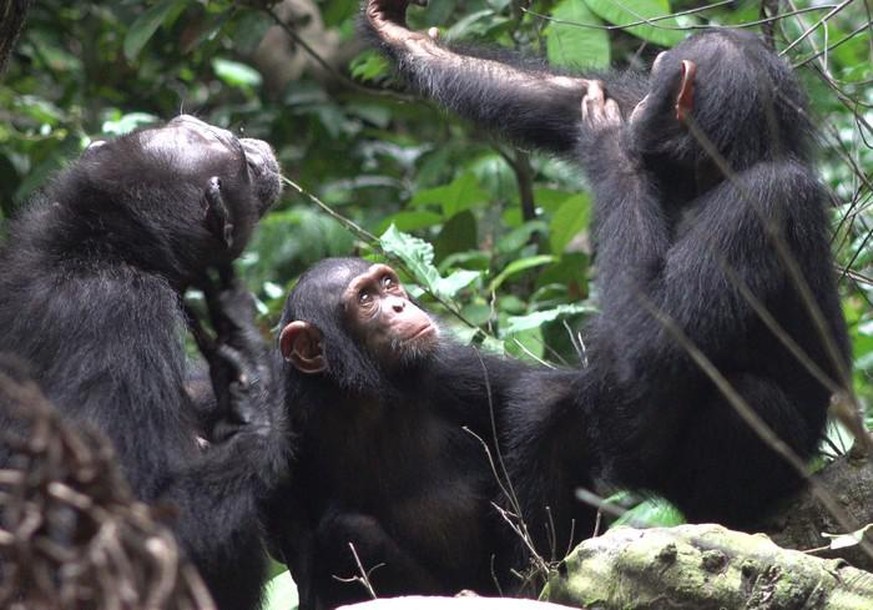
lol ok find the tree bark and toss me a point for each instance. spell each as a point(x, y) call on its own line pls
point(703, 567)
point(12, 13)
point(800, 521)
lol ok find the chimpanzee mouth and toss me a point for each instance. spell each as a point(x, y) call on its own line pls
point(428, 329)
point(264, 170)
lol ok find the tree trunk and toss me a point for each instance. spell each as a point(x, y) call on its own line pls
point(12, 13)
point(703, 567)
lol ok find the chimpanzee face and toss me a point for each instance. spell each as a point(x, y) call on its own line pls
point(381, 316)
point(376, 318)
point(190, 172)
point(193, 151)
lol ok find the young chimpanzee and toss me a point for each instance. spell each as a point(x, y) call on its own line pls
point(393, 481)
point(91, 283)
point(711, 231)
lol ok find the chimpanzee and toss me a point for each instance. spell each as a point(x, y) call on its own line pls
point(392, 478)
point(91, 283)
point(711, 231)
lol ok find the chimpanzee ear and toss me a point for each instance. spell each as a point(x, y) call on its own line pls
point(685, 97)
point(301, 345)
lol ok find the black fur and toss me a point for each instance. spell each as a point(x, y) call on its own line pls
point(689, 219)
point(386, 463)
point(700, 225)
point(90, 296)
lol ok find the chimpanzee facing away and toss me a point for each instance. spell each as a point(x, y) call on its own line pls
point(390, 480)
point(91, 280)
point(710, 222)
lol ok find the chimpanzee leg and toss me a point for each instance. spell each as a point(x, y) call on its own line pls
point(734, 489)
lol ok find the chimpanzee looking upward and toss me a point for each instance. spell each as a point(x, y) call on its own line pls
point(381, 400)
point(708, 213)
point(91, 282)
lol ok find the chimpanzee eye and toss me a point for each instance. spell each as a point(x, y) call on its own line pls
point(388, 281)
point(364, 297)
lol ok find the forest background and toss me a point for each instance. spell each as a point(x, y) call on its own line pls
point(492, 237)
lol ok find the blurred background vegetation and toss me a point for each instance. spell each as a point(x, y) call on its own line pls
point(500, 235)
point(495, 238)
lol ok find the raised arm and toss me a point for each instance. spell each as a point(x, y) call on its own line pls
point(523, 101)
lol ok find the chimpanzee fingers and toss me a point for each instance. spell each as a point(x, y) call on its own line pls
point(598, 111)
point(247, 389)
point(611, 112)
point(217, 216)
point(236, 311)
point(388, 20)
point(234, 362)
point(595, 92)
point(205, 343)
point(385, 12)
point(592, 101)
point(245, 406)
point(225, 315)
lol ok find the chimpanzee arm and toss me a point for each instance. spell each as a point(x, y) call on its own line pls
point(697, 281)
point(736, 240)
point(248, 456)
point(529, 105)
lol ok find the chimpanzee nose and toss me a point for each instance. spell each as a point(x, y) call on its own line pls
point(398, 304)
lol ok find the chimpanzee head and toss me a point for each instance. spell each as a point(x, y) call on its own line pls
point(721, 93)
point(352, 321)
point(170, 199)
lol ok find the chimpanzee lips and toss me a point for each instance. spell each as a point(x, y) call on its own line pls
point(424, 330)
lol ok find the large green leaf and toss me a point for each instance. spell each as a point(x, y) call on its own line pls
point(416, 253)
point(516, 267)
point(568, 221)
point(460, 194)
point(459, 234)
point(449, 287)
point(519, 324)
point(236, 74)
point(280, 592)
point(417, 256)
point(663, 32)
point(369, 65)
point(652, 512)
point(575, 37)
point(411, 220)
point(147, 24)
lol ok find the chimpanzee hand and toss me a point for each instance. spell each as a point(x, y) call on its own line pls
point(388, 19)
point(217, 215)
point(246, 391)
point(599, 112)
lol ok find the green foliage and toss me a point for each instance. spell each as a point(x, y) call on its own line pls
point(417, 257)
point(280, 593)
point(397, 168)
point(443, 197)
point(649, 14)
point(145, 26)
point(569, 44)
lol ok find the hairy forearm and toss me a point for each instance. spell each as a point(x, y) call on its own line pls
point(527, 104)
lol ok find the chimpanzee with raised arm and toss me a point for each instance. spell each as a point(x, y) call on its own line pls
point(712, 247)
